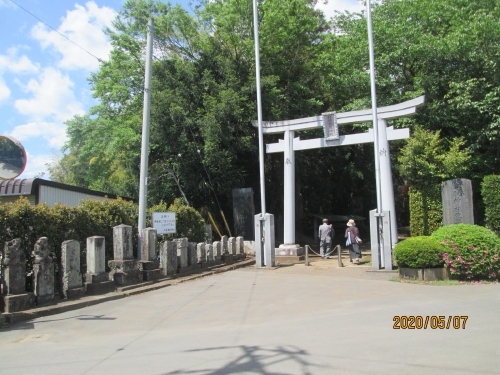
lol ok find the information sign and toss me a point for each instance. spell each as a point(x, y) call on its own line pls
point(164, 222)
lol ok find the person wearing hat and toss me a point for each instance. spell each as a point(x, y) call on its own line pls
point(325, 234)
point(352, 241)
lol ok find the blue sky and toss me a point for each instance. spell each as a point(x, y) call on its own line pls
point(43, 76)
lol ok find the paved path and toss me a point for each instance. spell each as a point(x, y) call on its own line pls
point(292, 320)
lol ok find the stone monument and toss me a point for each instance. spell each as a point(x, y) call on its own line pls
point(72, 284)
point(124, 267)
point(168, 258)
point(15, 298)
point(243, 213)
point(149, 264)
point(43, 272)
point(96, 278)
point(457, 201)
point(182, 253)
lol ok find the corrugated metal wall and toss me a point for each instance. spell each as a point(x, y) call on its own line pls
point(52, 195)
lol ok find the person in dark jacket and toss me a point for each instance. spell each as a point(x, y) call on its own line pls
point(352, 236)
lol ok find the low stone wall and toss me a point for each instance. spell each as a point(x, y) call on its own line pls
point(174, 257)
point(424, 274)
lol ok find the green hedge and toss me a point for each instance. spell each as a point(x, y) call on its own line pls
point(471, 252)
point(490, 190)
point(426, 210)
point(419, 252)
point(90, 218)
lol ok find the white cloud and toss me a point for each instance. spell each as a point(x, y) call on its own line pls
point(52, 97)
point(4, 90)
point(84, 26)
point(11, 62)
point(53, 133)
point(36, 165)
point(340, 5)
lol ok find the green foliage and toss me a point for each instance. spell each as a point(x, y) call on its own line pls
point(471, 251)
point(428, 159)
point(490, 190)
point(426, 210)
point(419, 252)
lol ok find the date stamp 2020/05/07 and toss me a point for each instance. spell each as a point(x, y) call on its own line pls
point(432, 321)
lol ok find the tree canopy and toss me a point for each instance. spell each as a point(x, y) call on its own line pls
point(202, 143)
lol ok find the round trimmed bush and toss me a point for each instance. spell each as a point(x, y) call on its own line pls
point(419, 252)
point(470, 251)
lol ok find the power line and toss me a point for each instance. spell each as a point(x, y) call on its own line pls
point(64, 36)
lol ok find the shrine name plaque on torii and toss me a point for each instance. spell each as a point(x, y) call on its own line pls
point(330, 122)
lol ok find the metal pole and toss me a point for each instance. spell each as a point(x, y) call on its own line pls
point(143, 179)
point(261, 133)
point(375, 123)
point(259, 110)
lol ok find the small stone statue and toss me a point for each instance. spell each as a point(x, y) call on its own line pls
point(41, 251)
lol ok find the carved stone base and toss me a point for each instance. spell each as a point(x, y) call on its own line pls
point(46, 298)
point(289, 259)
point(18, 302)
point(150, 275)
point(289, 250)
point(126, 278)
point(74, 292)
point(104, 287)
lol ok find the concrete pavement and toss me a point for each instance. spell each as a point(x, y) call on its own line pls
point(291, 320)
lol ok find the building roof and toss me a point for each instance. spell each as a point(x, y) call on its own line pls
point(29, 186)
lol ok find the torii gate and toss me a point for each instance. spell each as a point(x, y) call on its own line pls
point(329, 122)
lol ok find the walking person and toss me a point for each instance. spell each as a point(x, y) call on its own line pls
point(325, 234)
point(353, 241)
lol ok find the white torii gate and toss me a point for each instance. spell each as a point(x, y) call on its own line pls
point(329, 122)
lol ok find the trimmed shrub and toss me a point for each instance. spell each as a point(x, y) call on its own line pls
point(490, 190)
point(419, 252)
point(426, 210)
point(471, 251)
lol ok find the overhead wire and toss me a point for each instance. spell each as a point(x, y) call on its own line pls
point(64, 36)
point(100, 60)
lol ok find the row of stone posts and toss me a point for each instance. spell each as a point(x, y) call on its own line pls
point(177, 256)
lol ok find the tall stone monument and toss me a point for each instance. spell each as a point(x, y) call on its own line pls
point(168, 258)
point(43, 272)
point(15, 298)
point(96, 278)
point(149, 264)
point(124, 267)
point(243, 213)
point(72, 284)
point(457, 201)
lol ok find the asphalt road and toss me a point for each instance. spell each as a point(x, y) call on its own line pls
point(293, 320)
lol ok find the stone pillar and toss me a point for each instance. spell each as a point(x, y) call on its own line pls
point(289, 185)
point(223, 241)
point(124, 268)
point(387, 188)
point(209, 250)
point(15, 298)
point(201, 255)
point(96, 278)
point(72, 285)
point(240, 247)
point(43, 272)
point(217, 246)
point(168, 258)
point(192, 255)
point(264, 252)
point(149, 264)
point(182, 253)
